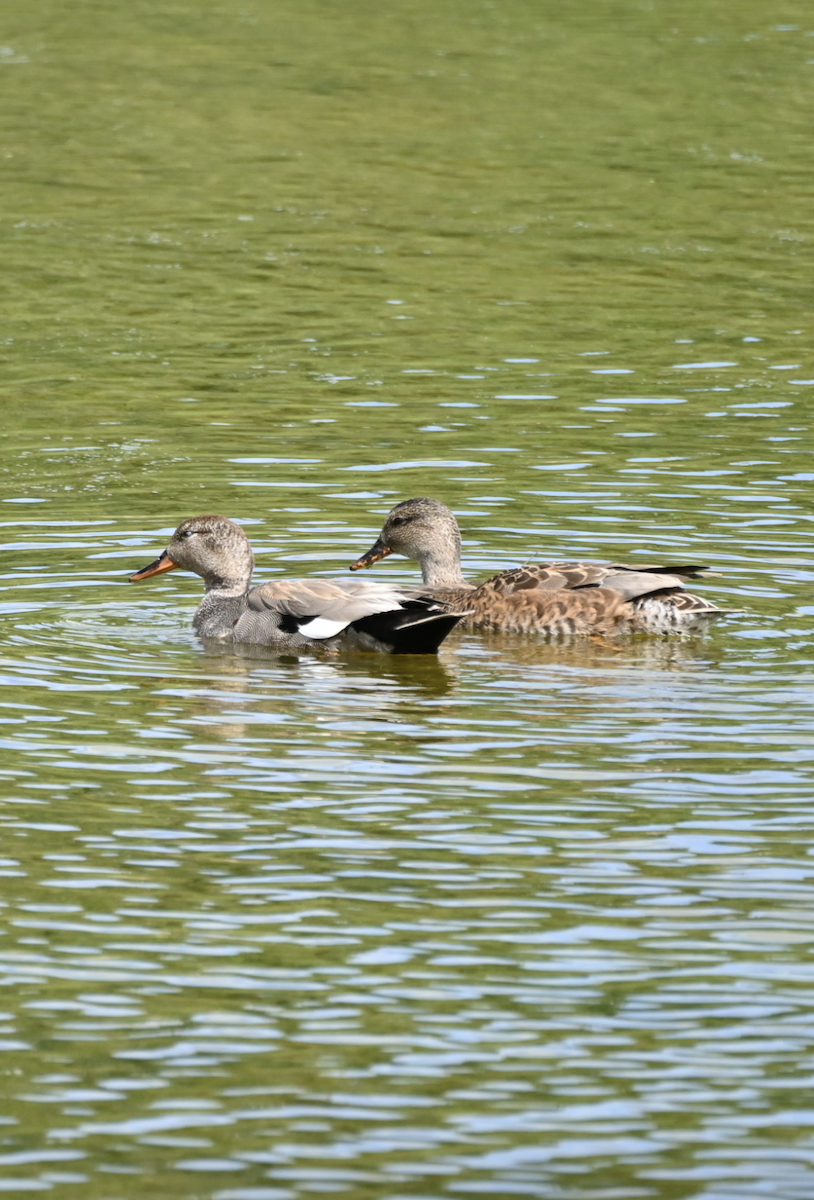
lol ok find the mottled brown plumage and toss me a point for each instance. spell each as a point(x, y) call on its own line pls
point(554, 599)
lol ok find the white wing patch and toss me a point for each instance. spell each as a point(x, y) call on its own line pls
point(322, 627)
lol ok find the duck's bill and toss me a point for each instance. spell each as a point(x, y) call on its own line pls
point(164, 563)
point(375, 554)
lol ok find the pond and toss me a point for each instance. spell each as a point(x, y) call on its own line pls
point(526, 919)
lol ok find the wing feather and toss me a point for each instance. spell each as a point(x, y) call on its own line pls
point(571, 576)
point(335, 604)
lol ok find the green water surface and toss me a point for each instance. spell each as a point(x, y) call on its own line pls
point(527, 920)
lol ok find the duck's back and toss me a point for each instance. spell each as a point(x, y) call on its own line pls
point(570, 576)
point(342, 614)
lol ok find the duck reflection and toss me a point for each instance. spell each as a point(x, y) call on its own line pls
point(272, 689)
point(422, 673)
point(252, 691)
point(596, 653)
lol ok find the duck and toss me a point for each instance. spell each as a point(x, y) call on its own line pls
point(296, 614)
point(552, 599)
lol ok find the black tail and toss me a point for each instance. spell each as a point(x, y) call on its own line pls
point(684, 571)
point(425, 635)
point(419, 627)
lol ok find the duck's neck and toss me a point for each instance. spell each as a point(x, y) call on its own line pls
point(441, 566)
point(223, 604)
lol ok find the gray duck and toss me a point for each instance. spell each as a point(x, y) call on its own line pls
point(556, 598)
point(295, 614)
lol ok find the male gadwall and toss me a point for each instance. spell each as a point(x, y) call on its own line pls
point(550, 598)
point(297, 613)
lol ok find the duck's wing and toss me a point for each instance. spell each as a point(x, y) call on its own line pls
point(630, 582)
point(684, 570)
point(321, 608)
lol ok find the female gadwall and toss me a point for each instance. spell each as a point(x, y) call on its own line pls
point(549, 598)
point(297, 613)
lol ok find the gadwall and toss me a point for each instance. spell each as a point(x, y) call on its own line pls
point(557, 598)
point(293, 614)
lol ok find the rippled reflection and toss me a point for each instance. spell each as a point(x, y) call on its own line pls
point(529, 919)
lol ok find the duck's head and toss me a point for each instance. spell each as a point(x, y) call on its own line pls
point(213, 547)
point(421, 529)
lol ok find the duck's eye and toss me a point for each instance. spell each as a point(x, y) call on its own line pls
point(187, 533)
point(399, 521)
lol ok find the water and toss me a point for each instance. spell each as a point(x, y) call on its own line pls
point(530, 919)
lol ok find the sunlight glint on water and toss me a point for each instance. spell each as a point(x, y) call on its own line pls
point(528, 920)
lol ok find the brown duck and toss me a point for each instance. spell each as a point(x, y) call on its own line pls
point(556, 598)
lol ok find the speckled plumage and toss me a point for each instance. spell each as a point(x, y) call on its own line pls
point(554, 599)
